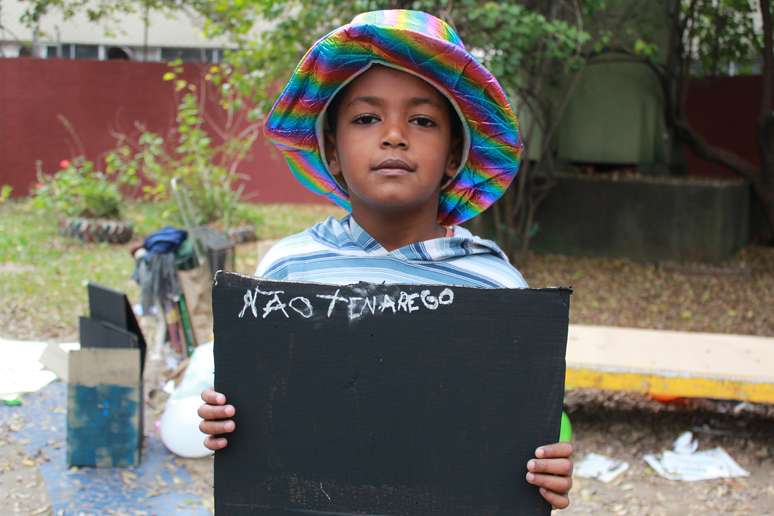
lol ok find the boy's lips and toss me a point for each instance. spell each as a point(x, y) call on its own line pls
point(393, 167)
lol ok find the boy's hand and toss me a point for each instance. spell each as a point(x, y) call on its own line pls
point(216, 422)
point(551, 471)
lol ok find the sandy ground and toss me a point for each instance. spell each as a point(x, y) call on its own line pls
point(22, 490)
point(720, 298)
point(624, 427)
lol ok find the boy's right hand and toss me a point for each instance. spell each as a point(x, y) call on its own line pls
point(216, 415)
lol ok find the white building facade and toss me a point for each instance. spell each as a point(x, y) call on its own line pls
point(141, 36)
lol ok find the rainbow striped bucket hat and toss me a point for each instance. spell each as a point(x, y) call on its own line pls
point(425, 46)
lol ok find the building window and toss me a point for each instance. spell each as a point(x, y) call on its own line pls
point(107, 52)
point(67, 51)
point(190, 55)
point(86, 52)
point(73, 51)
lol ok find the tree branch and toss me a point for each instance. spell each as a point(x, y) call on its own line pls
point(694, 140)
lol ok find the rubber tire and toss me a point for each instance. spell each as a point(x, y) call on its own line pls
point(97, 230)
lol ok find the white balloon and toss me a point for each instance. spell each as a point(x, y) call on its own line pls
point(180, 428)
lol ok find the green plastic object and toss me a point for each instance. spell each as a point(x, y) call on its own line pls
point(565, 430)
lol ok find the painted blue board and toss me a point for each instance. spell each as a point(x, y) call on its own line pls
point(103, 425)
point(72, 491)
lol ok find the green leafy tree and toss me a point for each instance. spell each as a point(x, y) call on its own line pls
point(532, 46)
point(706, 38)
point(535, 47)
point(716, 34)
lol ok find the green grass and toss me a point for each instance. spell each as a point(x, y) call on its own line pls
point(42, 277)
point(43, 274)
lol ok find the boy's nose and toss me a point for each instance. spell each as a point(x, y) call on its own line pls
point(394, 137)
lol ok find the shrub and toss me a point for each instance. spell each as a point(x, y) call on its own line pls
point(78, 189)
point(205, 170)
point(5, 193)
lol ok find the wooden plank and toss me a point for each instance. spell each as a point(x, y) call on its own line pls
point(682, 386)
point(669, 362)
point(108, 366)
point(737, 357)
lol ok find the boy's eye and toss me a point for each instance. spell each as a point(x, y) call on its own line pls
point(365, 119)
point(423, 121)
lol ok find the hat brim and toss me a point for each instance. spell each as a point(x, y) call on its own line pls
point(494, 144)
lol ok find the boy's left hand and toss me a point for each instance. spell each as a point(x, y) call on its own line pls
point(551, 471)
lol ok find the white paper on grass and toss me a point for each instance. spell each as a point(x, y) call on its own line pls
point(687, 464)
point(685, 444)
point(600, 467)
point(20, 367)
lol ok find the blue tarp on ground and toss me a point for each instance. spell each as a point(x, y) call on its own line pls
point(159, 485)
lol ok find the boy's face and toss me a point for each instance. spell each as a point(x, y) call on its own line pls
point(392, 142)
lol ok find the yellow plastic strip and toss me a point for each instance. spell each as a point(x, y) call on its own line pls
point(682, 386)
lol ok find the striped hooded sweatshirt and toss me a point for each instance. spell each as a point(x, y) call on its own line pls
point(341, 252)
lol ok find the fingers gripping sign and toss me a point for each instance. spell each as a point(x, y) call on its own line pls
point(551, 472)
point(217, 420)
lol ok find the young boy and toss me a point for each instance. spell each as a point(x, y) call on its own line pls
point(391, 118)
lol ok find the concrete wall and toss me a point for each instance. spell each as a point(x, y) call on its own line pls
point(644, 219)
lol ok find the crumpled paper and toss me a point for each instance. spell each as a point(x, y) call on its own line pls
point(20, 367)
point(600, 467)
point(687, 464)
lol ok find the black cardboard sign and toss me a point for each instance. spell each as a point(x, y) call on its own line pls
point(385, 399)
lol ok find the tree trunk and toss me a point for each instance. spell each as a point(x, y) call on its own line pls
point(765, 6)
point(674, 81)
point(764, 188)
point(670, 78)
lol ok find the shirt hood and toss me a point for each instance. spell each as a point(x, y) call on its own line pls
point(346, 233)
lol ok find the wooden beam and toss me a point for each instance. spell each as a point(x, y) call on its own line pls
point(687, 364)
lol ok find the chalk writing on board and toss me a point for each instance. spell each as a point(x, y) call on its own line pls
point(263, 304)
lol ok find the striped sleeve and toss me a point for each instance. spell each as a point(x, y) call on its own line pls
point(276, 253)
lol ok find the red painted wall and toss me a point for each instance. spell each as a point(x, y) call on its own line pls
point(725, 111)
point(100, 98)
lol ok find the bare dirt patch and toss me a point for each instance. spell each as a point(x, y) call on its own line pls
point(11, 268)
point(735, 296)
point(22, 489)
point(627, 426)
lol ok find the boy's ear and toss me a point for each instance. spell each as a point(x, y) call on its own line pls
point(331, 155)
point(455, 156)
